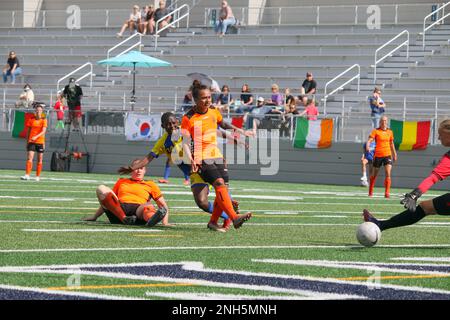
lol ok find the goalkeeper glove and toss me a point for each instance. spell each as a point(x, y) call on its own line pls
point(410, 199)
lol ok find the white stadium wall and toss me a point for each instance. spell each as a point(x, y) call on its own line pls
point(338, 165)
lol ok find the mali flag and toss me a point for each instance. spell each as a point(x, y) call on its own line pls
point(20, 118)
point(313, 133)
point(411, 135)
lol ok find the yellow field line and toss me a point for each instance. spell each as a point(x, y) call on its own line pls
point(423, 276)
point(123, 286)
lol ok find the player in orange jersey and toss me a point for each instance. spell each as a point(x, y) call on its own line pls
point(129, 201)
point(37, 127)
point(385, 154)
point(199, 125)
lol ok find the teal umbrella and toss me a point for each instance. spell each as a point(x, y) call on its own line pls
point(134, 59)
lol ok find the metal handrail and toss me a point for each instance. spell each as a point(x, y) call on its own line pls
point(358, 76)
point(176, 11)
point(90, 73)
point(137, 44)
point(36, 14)
point(391, 52)
point(436, 22)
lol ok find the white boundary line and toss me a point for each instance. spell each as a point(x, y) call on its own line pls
point(431, 259)
point(93, 230)
point(67, 293)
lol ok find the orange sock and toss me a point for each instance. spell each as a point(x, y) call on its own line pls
point(38, 169)
point(387, 185)
point(28, 167)
point(217, 212)
point(149, 211)
point(112, 204)
point(224, 201)
point(372, 184)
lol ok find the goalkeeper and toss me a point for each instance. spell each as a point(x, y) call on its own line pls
point(439, 205)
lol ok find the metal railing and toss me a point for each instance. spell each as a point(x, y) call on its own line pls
point(176, 20)
point(138, 44)
point(405, 43)
point(396, 14)
point(89, 74)
point(438, 21)
point(327, 95)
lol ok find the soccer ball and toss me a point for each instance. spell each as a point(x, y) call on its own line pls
point(368, 234)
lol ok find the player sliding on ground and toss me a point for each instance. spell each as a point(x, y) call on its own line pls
point(439, 205)
point(129, 201)
point(385, 154)
point(199, 126)
point(171, 144)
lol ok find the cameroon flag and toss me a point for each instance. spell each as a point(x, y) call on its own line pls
point(313, 133)
point(411, 135)
point(20, 118)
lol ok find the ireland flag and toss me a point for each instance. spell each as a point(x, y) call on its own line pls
point(313, 133)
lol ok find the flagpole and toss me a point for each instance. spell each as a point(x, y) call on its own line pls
point(133, 98)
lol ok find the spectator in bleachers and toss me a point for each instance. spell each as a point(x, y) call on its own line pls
point(311, 112)
point(225, 99)
point(288, 98)
point(147, 21)
point(276, 99)
point(59, 108)
point(246, 97)
point(226, 19)
point(133, 22)
point(26, 98)
point(161, 12)
point(73, 94)
point(12, 68)
point(377, 106)
point(309, 85)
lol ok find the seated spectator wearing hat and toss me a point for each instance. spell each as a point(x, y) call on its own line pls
point(26, 98)
point(309, 85)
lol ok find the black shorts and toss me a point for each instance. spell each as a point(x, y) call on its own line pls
point(36, 147)
point(384, 161)
point(129, 209)
point(442, 204)
point(213, 169)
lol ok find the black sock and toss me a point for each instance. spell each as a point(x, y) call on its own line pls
point(403, 219)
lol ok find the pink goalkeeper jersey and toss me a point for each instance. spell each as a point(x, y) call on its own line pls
point(440, 172)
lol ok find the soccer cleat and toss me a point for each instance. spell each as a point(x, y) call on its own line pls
point(25, 177)
point(215, 227)
point(186, 182)
point(364, 182)
point(163, 181)
point(241, 219)
point(370, 194)
point(227, 223)
point(235, 205)
point(368, 217)
point(38, 179)
point(129, 220)
point(157, 217)
point(387, 195)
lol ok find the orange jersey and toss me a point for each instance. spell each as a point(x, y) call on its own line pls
point(138, 192)
point(36, 127)
point(203, 131)
point(383, 139)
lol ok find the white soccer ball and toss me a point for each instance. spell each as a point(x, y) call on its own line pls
point(368, 234)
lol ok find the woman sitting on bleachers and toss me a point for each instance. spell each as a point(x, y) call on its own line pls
point(132, 23)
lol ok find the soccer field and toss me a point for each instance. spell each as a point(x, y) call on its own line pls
point(300, 244)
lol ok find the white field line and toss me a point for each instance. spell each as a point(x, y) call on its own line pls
point(221, 296)
point(234, 247)
point(349, 265)
point(198, 266)
point(67, 293)
point(92, 230)
point(430, 259)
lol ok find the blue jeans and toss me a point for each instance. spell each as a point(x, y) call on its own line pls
point(376, 120)
point(13, 75)
point(222, 25)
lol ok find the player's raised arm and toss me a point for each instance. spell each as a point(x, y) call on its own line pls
point(137, 164)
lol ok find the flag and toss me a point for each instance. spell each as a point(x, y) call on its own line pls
point(139, 127)
point(20, 119)
point(313, 133)
point(410, 135)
